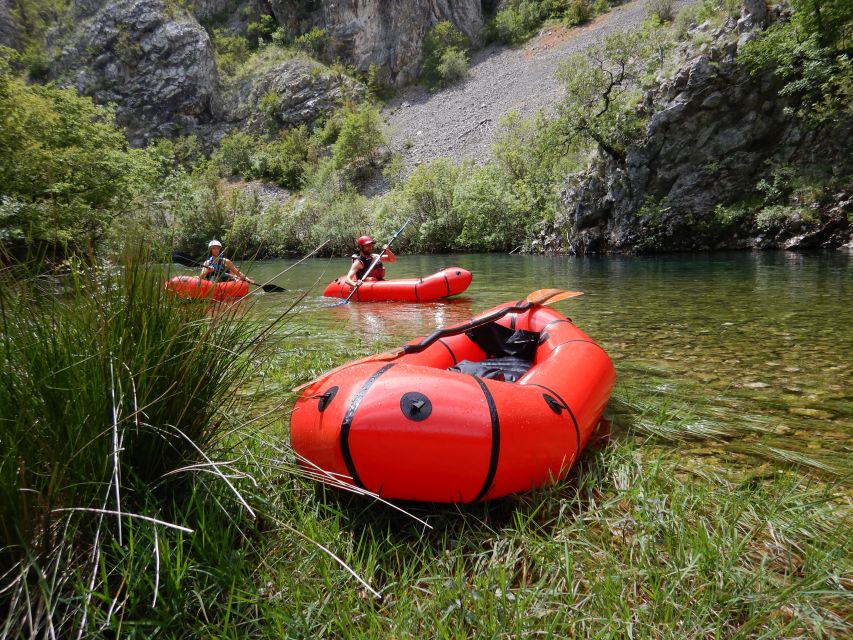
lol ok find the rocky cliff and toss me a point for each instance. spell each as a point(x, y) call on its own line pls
point(155, 61)
point(375, 32)
point(8, 28)
point(715, 132)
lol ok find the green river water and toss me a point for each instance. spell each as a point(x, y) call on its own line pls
point(741, 359)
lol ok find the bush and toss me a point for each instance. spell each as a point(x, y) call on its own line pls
point(357, 146)
point(494, 217)
point(65, 169)
point(441, 40)
point(314, 43)
point(516, 22)
point(663, 10)
point(231, 51)
point(428, 200)
point(453, 66)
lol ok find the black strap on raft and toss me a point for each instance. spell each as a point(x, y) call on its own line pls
point(462, 328)
point(506, 369)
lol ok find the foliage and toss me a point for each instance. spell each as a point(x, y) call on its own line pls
point(809, 53)
point(495, 214)
point(453, 66)
point(516, 22)
point(356, 149)
point(663, 10)
point(602, 90)
point(232, 51)
point(115, 392)
point(65, 169)
point(314, 42)
point(428, 200)
point(444, 55)
point(262, 30)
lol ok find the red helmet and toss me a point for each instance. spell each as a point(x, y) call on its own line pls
point(363, 240)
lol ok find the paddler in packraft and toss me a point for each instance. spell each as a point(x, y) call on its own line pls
point(218, 268)
point(365, 257)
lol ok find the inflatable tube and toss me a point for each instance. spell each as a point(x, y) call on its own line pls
point(198, 288)
point(447, 282)
point(407, 428)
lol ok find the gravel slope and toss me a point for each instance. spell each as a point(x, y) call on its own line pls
point(461, 121)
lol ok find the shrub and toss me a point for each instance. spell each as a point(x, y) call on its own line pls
point(428, 200)
point(231, 51)
point(516, 22)
point(357, 146)
point(493, 216)
point(314, 42)
point(440, 40)
point(663, 10)
point(453, 66)
point(65, 169)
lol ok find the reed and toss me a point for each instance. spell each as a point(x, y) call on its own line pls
point(114, 401)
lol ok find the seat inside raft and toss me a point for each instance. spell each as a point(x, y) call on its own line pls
point(509, 353)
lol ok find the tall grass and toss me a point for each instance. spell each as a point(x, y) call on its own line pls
point(113, 399)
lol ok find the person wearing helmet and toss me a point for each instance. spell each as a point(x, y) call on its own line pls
point(218, 268)
point(362, 260)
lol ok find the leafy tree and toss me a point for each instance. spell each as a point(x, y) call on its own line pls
point(602, 91)
point(811, 53)
point(65, 169)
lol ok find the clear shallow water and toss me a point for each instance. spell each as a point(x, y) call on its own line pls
point(755, 341)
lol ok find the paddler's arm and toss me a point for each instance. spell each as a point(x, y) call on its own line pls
point(233, 269)
point(350, 277)
point(388, 255)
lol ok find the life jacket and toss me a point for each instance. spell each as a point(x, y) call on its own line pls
point(219, 271)
point(377, 272)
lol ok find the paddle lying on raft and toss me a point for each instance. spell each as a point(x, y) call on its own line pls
point(539, 297)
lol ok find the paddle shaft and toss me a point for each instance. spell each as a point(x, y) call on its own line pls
point(375, 262)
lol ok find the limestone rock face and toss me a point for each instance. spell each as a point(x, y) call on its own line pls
point(377, 32)
point(287, 94)
point(155, 62)
point(713, 134)
point(8, 30)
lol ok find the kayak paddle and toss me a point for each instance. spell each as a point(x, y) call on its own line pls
point(185, 260)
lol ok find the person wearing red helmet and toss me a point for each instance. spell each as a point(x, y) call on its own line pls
point(362, 260)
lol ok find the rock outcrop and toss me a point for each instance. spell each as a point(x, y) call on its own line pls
point(149, 57)
point(287, 94)
point(714, 133)
point(9, 35)
point(389, 35)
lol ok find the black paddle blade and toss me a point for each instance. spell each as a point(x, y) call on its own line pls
point(272, 288)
